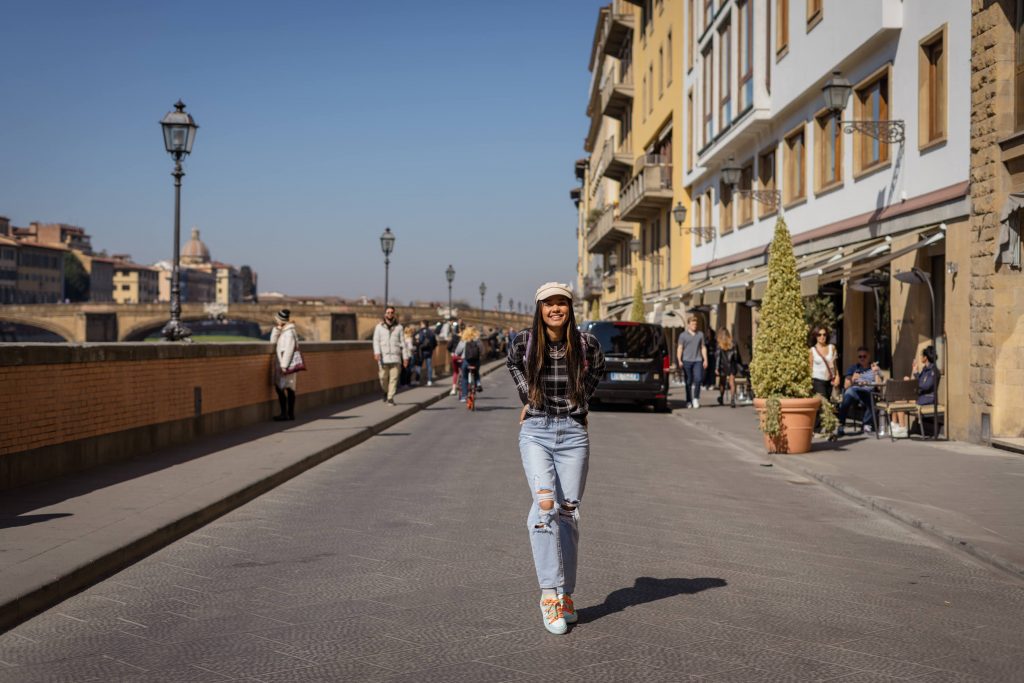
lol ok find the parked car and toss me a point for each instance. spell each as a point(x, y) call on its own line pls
point(637, 362)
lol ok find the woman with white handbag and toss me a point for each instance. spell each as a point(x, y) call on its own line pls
point(287, 363)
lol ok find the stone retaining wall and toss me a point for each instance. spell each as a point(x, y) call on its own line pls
point(68, 407)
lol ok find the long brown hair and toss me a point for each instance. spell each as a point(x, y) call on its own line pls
point(538, 356)
point(724, 339)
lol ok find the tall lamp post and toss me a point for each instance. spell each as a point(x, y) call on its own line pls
point(483, 290)
point(179, 134)
point(387, 245)
point(450, 274)
point(499, 303)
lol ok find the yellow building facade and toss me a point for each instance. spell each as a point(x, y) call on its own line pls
point(633, 176)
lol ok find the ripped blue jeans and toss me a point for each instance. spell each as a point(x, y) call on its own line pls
point(556, 454)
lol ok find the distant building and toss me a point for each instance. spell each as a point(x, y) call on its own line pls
point(201, 279)
point(101, 276)
point(70, 236)
point(8, 269)
point(134, 283)
point(40, 278)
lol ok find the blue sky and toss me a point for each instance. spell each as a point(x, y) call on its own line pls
point(454, 122)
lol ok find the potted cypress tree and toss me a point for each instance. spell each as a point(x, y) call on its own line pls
point(780, 372)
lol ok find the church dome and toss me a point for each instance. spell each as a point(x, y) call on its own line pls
point(195, 252)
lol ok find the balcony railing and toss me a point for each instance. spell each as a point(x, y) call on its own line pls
point(650, 190)
point(608, 230)
point(618, 25)
point(616, 161)
point(617, 91)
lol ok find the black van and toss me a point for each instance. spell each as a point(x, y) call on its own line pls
point(637, 362)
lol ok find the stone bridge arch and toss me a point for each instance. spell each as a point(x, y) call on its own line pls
point(45, 324)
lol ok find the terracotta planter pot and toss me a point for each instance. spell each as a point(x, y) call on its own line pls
point(797, 424)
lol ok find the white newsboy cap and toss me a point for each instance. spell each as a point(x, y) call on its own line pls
point(553, 289)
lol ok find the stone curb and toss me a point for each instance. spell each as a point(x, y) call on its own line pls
point(997, 561)
point(93, 570)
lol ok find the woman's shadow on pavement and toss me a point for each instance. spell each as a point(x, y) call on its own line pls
point(646, 589)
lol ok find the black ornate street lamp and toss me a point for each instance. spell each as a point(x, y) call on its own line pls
point(731, 174)
point(179, 134)
point(450, 274)
point(387, 245)
point(679, 214)
point(483, 290)
point(837, 94)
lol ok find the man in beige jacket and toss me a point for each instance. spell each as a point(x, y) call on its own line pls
point(390, 353)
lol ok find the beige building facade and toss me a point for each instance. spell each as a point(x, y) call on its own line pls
point(632, 178)
point(134, 283)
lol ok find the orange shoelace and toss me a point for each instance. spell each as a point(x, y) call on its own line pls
point(552, 609)
point(567, 606)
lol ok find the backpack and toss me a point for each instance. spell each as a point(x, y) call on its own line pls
point(583, 344)
point(473, 353)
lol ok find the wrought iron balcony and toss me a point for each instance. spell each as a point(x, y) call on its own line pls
point(649, 192)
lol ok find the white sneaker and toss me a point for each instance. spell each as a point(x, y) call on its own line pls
point(430, 384)
point(554, 618)
point(452, 392)
point(899, 432)
point(696, 403)
point(568, 609)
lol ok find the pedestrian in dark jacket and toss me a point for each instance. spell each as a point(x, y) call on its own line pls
point(426, 342)
point(727, 361)
point(927, 376)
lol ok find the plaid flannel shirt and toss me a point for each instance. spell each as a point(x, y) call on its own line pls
point(555, 379)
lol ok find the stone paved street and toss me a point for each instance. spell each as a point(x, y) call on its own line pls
point(406, 559)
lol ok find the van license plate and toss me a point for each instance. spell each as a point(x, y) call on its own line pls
point(624, 376)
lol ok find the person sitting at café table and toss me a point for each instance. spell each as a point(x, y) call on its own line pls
point(861, 378)
point(927, 376)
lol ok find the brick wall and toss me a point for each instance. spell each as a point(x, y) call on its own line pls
point(68, 407)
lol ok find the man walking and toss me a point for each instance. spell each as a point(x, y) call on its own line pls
point(692, 355)
point(390, 353)
point(426, 342)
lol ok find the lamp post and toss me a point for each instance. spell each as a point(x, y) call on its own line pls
point(179, 134)
point(499, 303)
point(483, 290)
point(387, 245)
point(679, 214)
point(450, 274)
point(837, 94)
point(731, 174)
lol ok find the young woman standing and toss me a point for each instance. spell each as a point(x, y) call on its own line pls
point(285, 341)
point(823, 366)
point(556, 369)
point(727, 361)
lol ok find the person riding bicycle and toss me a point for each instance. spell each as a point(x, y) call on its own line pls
point(471, 352)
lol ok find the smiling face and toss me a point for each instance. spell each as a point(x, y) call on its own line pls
point(693, 325)
point(554, 311)
point(389, 314)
